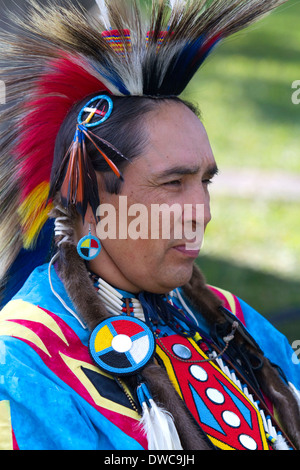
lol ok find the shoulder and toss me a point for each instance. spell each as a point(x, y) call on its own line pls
point(36, 288)
point(273, 343)
point(24, 323)
point(231, 302)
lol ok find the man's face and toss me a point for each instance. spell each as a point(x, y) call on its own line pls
point(175, 168)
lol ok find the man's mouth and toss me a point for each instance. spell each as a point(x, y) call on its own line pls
point(188, 250)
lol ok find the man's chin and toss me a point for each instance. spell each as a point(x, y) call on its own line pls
point(178, 277)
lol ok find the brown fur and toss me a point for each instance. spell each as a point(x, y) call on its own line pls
point(286, 407)
point(205, 301)
point(80, 288)
point(202, 298)
point(165, 394)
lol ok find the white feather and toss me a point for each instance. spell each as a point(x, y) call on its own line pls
point(177, 3)
point(296, 393)
point(163, 423)
point(104, 14)
point(159, 427)
point(280, 443)
point(147, 427)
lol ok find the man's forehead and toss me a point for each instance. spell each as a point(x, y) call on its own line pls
point(176, 140)
point(179, 162)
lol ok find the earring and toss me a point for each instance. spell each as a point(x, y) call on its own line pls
point(89, 246)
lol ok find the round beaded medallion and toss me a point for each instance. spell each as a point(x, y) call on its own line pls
point(122, 345)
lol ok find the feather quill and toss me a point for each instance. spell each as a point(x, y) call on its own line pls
point(104, 13)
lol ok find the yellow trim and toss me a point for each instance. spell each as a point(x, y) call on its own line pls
point(229, 298)
point(6, 436)
point(76, 367)
point(220, 444)
point(15, 330)
point(169, 367)
point(21, 310)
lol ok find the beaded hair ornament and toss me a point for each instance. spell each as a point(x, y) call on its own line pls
point(79, 185)
point(59, 55)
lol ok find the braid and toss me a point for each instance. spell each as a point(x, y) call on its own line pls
point(267, 375)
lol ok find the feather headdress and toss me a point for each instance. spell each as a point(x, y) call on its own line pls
point(58, 55)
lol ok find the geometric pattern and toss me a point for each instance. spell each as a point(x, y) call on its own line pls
point(222, 410)
point(89, 112)
point(122, 345)
point(89, 247)
point(63, 353)
point(120, 44)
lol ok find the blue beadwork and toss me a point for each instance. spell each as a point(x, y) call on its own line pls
point(87, 105)
point(89, 253)
point(124, 362)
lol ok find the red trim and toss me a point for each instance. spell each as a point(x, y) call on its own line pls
point(239, 311)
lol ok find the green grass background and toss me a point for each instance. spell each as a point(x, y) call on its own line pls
point(252, 246)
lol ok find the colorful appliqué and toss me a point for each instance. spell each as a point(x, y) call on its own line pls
point(66, 356)
point(223, 411)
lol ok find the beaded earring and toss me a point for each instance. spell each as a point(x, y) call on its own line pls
point(89, 246)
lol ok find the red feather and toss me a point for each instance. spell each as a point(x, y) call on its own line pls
point(64, 84)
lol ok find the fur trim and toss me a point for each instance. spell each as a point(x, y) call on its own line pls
point(283, 400)
point(282, 397)
point(296, 393)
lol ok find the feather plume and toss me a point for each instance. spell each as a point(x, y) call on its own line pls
point(54, 46)
point(104, 14)
point(159, 428)
point(281, 444)
point(157, 424)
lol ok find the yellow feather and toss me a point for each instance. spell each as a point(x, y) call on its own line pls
point(34, 214)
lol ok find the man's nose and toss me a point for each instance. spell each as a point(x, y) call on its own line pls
point(197, 206)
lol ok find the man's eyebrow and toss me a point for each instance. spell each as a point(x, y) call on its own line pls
point(212, 171)
point(182, 170)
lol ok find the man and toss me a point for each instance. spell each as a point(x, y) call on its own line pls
point(118, 343)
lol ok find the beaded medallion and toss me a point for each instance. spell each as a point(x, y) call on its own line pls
point(122, 345)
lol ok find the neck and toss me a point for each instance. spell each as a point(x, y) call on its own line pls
point(109, 272)
point(118, 301)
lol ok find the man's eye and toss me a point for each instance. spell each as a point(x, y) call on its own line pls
point(207, 181)
point(173, 183)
